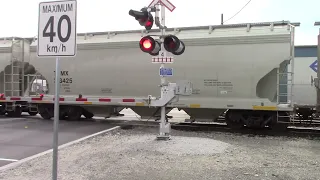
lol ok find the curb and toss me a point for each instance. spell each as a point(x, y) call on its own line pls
point(17, 163)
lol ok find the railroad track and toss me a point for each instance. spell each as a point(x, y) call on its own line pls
point(296, 122)
point(205, 127)
point(290, 131)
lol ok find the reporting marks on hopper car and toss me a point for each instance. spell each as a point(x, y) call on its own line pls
point(63, 7)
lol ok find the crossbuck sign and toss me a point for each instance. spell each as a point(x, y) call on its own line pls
point(57, 28)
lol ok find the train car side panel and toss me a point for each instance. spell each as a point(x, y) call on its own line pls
point(226, 70)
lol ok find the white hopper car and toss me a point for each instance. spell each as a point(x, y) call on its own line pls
point(232, 67)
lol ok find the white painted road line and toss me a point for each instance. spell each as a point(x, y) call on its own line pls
point(19, 162)
point(4, 159)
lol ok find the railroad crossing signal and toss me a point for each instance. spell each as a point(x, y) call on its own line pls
point(149, 45)
point(57, 28)
point(154, 47)
point(171, 44)
point(174, 45)
point(144, 17)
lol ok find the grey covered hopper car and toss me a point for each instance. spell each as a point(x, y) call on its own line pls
point(237, 67)
point(304, 91)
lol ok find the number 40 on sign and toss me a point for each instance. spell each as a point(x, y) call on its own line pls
point(57, 28)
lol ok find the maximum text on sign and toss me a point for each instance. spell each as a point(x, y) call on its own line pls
point(57, 28)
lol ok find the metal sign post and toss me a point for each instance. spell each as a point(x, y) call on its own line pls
point(164, 125)
point(57, 38)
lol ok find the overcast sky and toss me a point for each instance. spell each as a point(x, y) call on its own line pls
point(20, 17)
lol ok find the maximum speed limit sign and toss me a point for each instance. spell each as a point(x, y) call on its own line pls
point(57, 33)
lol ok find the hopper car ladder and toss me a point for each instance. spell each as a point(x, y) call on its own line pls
point(285, 79)
point(13, 79)
point(288, 76)
point(287, 82)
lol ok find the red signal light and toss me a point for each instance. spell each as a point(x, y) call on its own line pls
point(149, 23)
point(149, 45)
point(174, 45)
point(144, 18)
point(146, 44)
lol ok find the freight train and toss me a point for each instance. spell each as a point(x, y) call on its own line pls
point(241, 68)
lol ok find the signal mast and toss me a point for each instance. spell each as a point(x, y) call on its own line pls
point(160, 47)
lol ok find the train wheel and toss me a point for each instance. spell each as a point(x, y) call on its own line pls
point(283, 124)
point(87, 114)
point(233, 120)
point(32, 113)
point(74, 113)
point(16, 113)
point(279, 127)
point(45, 115)
point(62, 116)
point(2, 110)
point(45, 112)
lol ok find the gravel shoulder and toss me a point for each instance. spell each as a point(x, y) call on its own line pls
point(136, 155)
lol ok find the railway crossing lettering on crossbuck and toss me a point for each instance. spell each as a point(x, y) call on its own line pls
point(165, 3)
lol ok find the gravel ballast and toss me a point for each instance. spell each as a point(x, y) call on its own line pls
point(136, 155)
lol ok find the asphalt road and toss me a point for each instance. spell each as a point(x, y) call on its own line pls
point(24, 137)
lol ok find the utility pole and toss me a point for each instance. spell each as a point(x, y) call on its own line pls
point(222, 19)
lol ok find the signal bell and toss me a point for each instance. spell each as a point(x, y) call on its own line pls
point(174, 45)
point(149, 45)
